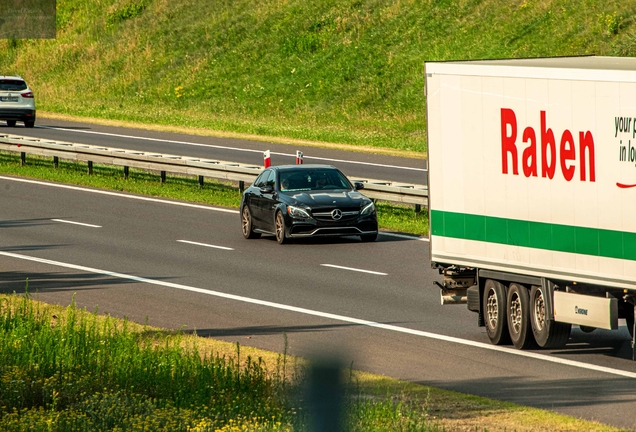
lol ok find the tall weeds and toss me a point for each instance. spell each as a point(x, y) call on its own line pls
point(82, 372)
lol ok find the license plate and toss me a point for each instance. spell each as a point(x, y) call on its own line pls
point(8, 98)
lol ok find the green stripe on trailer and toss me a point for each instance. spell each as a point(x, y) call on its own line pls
point(537, 235)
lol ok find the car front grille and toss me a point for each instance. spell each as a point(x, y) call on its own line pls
point(326, 214)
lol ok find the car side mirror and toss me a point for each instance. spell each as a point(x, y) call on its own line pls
point(359, 185)
point(267, 189)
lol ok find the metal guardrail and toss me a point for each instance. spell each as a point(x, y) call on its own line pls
point(185, 165)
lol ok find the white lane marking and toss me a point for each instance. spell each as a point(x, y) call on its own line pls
point(354, 269)
point(206, 245)
point(76, 223)
point(229, 148)
point(335, 317)
point(103, 192)
point(408, 237)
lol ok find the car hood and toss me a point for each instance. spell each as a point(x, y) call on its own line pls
point(328, 198)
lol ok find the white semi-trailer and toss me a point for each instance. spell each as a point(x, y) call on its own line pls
point(532, 184)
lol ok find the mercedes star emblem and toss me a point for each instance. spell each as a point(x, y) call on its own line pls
point(336, 214)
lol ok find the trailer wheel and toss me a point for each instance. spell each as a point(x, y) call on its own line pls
point(494, 307)
point(547, 333)
point(519, 317)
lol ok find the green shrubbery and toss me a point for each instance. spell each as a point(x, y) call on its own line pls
point(125, 12)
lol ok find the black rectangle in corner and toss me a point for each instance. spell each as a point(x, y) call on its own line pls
point(27, 19)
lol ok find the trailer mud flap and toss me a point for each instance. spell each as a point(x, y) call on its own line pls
point(599, 312)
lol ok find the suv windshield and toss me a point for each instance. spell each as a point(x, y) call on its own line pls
point(12, 85)
point(313, 179)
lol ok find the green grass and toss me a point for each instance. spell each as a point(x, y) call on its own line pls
point(75, 372)
point(392, 217)
point(343, 71)
point(68, 370)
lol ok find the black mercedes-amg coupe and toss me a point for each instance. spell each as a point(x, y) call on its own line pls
point(293, 201)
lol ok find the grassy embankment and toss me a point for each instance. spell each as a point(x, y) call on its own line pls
point(63, 369)
point(344, 71)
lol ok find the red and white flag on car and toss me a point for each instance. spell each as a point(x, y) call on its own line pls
point(267, 162)
point(299, 157)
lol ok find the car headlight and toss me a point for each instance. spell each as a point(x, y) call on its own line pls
point(297, 212)
point(368, 209)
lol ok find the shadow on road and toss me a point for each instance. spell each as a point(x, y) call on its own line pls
point(67, 127)
point(23, 223)
point(533, 392)
point(265, 330)
point(44, 282)
point(612, 343)
point(28, 248)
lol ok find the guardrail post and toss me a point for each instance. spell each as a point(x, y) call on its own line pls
point(126, 172)
point(241, 186)
point(22, 158)
point(200, 181)
point(163, 176)
point(56, 161)
point(90, 167)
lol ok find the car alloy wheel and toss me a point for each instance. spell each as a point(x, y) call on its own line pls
point(246, 224)
point(281, 237)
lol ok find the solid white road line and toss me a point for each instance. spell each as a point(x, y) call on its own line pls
point(76, 223)
point(121, 195)
point(206, 245)
point(354, 269)
point(230, 148)
point(335, 317)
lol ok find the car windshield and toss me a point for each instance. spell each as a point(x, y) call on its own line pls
point(12, 85)
point(312, 179)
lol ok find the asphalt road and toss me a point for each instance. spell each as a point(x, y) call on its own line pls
point(189, 266)
point(351, 163)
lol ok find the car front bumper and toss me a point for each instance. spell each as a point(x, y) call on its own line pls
point(362, 225)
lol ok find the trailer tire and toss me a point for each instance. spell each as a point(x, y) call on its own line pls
point(518, 312)
point(547, 333)
point(494, 308)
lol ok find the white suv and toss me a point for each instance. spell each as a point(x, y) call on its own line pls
point(16, 101)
